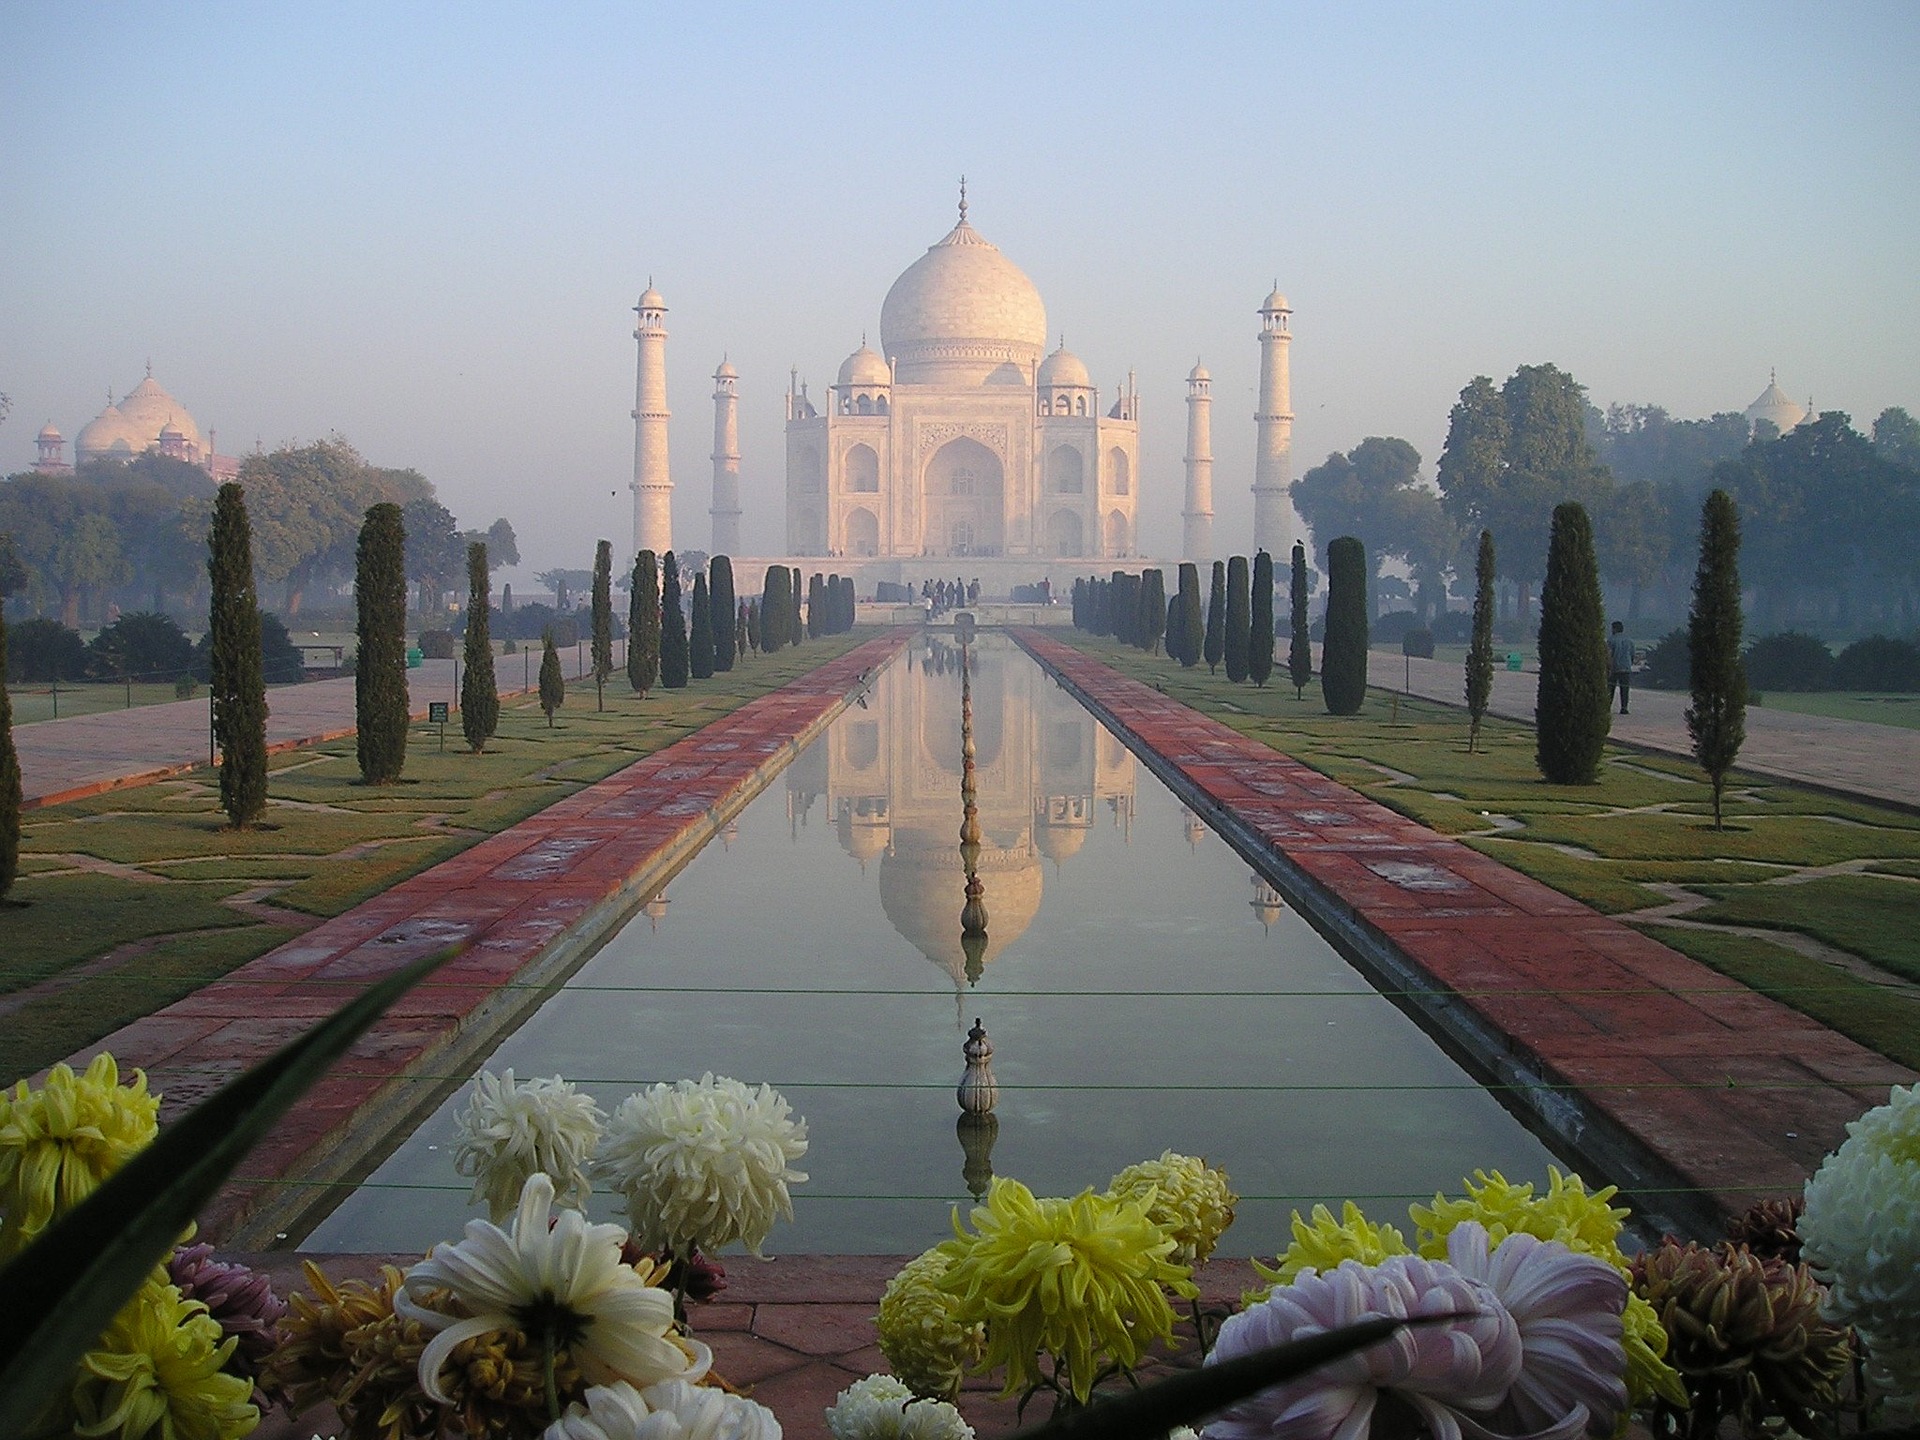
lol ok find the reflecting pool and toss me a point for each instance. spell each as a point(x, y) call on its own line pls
point(1142, 990)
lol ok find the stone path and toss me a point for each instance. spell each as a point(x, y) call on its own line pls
point(1880, 762)
point(531, 903)
point(1694, 1093)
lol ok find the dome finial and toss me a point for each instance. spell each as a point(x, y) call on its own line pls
point(149, 367)
point(963, 199)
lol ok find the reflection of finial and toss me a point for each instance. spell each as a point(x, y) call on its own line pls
point(977, 1134)
point(963, 199)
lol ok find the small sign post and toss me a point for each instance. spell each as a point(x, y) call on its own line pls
point(437, 715)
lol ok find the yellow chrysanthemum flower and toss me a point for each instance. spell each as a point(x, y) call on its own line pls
point(157, 1372)
point(1079, 1279)
point(1582, 1222)
point(1186, 1197)
point(59, 1142)
point(926, 1344)
point(1322, 1245)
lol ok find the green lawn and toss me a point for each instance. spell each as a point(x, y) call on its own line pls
point(1902, 710)
point(327, 843)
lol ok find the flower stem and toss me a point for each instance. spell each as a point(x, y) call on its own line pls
point(549, 1347)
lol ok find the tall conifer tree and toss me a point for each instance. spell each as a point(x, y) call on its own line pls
point(1343, 659)
point(1570, 714)
point(673, 627)
point(773, 610)
point(700, 632)
point(1260, 636)
point(796, 622)
point(1717, 718)
point(1480, 648)
point(643, 625)
point(602, 621)
point(1153, 610)
point(10, 792)
point(1215, 644)
point(720, 601)
point(816, 606)
point(238, 686)
point(479, 692)
point(1300, 624)
point(1239, 618)
point(553, 685)
point(380, 701)
point(741, 647)
point(1190, 628)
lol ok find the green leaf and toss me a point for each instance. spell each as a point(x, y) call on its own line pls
point(1149, 1413)
point(63, 1290)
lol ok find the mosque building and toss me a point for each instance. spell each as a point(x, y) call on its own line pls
point(1774, 407)
point(146, 419)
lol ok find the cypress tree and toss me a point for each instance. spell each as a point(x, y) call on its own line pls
point(1239, 618)
point(720, 601)
point(506, 600)
point(1153, 611)
point(1173, 624)
point(1717, 718)
point(9, 776)
point(772, 611)
point(673, 627)
point(816, 606)
point(380, 701)
point(743, 630)
point(1216, 638)
point(796, 626)
point(1570, 715)
point(700, 637)
point(238, 686)
point(1300, 647)
point(553, 685)
point(643, 625)
point(602, 621)
point(1343, 660)
point(479, 694)
point(1117, 607)
point(1192, 626)
point(1260, 639)
point(1480, 649)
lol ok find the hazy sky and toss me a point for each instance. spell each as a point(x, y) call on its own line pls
point(424, 227)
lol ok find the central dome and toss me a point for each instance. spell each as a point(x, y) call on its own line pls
point(963, 314)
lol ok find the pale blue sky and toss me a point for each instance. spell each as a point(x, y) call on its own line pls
point(423, 227)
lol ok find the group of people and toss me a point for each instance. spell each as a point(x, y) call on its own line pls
point(940, 596)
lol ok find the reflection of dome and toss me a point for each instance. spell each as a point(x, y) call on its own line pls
point(1057, 842)
point(864, 837)
point(108, 436)
point(864, 367)
point(1063, 368)
point(923, 885)
point(961, 311)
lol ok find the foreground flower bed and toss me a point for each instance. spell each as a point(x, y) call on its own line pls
point(542, 1323)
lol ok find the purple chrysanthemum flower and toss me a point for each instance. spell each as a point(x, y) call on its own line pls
point(241, 1301)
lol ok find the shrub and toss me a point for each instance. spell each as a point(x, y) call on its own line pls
point(42, 650)
point(141, 646)
point(1665, 666)
point(1418, 643)
point(10, 791)
point(1788, 661)
point(1455, 627)
point(1343, 660)
point(1878, 663)
point(1393, 626)
point(438, 644)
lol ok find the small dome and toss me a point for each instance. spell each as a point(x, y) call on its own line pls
point(171, 431)
point(1199, 372)
point(48, 432)
point(726, 372)
point(1275, 301)
point(1063, 368)
point(864, 368)
point(653, 300)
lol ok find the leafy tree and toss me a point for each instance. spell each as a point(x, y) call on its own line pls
point(1570, 714)
point(239, 691)
point(1632, 538)
point(1480, 648)
point(10, 793)
point(563, 583)
point(725, 626)
point(602, 621)
point(1374, 492)
point(1789, 661)
point(1153, 610)
point(772, 611)
point(503, 547)
point(1239, 618)
point(1216, 638)
point(42, 650)
point(13, 570)
point(1343, 659)
point(479, 691)
point(1300, 647)
point(1645, 443)
point(380, 701)
point(1717, 718)
point(141, 646)
point(673, 627)
point(436, 551)
point(307, 503)
point(700, 640)
point(643, 625)
point(1260, 638)
point(553, 685)
point(1896, 435)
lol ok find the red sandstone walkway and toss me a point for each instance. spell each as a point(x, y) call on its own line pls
point(532, 901)
point(1670, 1074)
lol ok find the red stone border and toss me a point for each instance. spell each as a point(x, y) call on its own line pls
point(532, 902)
point(1693, 1093)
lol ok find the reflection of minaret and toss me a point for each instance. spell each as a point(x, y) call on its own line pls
point(1273, 459)
point(1198, 545)
point(726, 460)
point(656, 911)
point(652, 482)
point(1266, 901)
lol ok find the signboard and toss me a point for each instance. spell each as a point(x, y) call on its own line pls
point(436, 712)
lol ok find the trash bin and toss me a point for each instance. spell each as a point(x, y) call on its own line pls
point(413, 657)
point(1513, 660)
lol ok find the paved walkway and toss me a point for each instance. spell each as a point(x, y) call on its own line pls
point(531, 903)
point(1694, 1093)
point(1880, 762)
point(82, 755)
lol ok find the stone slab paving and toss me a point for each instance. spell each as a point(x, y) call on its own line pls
point(1878, 762)
point(792, 1332)
point(1628, 1049)
point(530, 903)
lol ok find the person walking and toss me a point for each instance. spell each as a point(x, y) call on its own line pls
point(1619, 664)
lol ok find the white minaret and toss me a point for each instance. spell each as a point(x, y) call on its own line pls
point(1198, 545)
point(652, 482)
point(1273, 460)
point(726, 460)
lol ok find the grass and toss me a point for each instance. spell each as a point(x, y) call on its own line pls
point(1902, 710)
point(1645, 824)
point(328, 843)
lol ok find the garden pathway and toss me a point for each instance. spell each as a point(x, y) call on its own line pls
point(1878, 762)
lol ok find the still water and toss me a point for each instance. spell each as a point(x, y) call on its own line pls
point(1142, 990)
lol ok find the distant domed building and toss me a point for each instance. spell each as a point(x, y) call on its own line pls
point(146, 419)
point(1776, 408)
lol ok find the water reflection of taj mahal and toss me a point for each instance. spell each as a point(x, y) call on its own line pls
point(1046, 774)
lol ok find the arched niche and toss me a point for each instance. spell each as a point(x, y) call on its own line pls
point(863, 532)
point(1117, 536)
point(1066, 535)
point(863, 470)
point(964, 485)
point(1119, 475)
point(1066, 472)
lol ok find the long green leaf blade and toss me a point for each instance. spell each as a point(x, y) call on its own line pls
point(63, 1290)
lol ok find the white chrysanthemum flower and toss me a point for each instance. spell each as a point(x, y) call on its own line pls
point(670, 1410)
point(560, 1275)
point(510, 1131)
point(1861, 1234)
point(703, 1162)
point(880, 1407)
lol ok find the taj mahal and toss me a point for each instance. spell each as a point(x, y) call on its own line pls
point(962, 442)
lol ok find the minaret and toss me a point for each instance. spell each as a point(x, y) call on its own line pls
point(1198, 544)
point(726, 460)
point(1273, 458)
point(652, 482)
